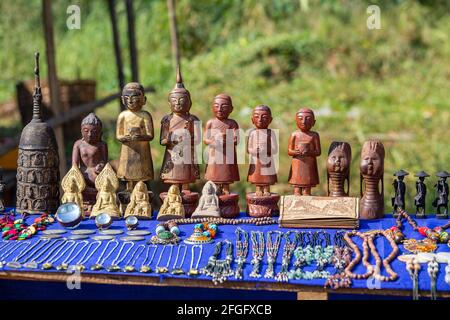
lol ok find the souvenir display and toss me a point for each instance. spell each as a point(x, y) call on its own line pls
point(140, 202)
point(114, 266)
point(73, 185)
point(166, 233)
point(241, 251)
point(180, 133)
point(193, 266)
point(208, 205)
point(338, 169)
point(98, 265)
point(441, 201)
point(272, 247)
point(131, 222)
point(372, 171)
point(138, 233)
point(129, 265)
point(164, 269)
point(103, 238)
point(83, 232)
point(177, 268)
point(172, 207)
point(219, 269)
point(2, 189)
point(132, 238)
point(48, 264)
point(69, 215)
point(79, 265)
point(135, 130)
point(203, 233)
point(90, 155)
point(258, 246)
point(288, 250)
point(262, 147)
point(221, 221)
point(398, 201)
point(304, 148)
point(145, 265)
point(27, 253)
point(38, 161)
point(19, 230)
point(10, 250)
point(103, 221)
point(421, 194)
point(107, 185)
point(111, 232)
point(64, 265)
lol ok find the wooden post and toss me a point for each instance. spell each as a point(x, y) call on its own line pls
point(116, 40)
point(132, 41)
point(173, 32)
point(55, 102)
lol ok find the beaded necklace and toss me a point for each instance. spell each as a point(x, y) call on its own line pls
point(164, 269)
point(194, 271)
point(129, 265)
point(145, 267)
point(66, 262)
point(220, 221)
point(219, 270)
point(272, 252)
point(257, 238)
point(49, 263)
point(117, 260)
point(179, 270)
point(288, 250)
point(98, 265)
point(341, 259)
point(241, 251)
point(79, 266)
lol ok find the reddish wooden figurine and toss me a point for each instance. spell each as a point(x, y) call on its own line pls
point(338, 169)
point(304, 148)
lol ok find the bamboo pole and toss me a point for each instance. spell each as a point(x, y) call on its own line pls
point(132, 40)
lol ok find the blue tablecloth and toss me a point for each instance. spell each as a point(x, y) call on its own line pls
point(227, 232)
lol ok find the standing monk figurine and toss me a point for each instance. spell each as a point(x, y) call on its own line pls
point(180, 134)
point(421, 194)
point(90, 155)
point(304, 148)
point(134, 130)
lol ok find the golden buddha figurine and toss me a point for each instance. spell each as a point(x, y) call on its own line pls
point(209, 202)
point(134, 131)
point(106, 185)
point(139, 205)
point(172, 207)
point(73, 185)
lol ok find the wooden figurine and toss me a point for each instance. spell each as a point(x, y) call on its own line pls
point(441, 201)
point(90, 154)
point(262, 146)
point(180, 133)
point(107, 185)
point(421, 194)
point(172, 207)
point(134, 131)
point(398, 201)
point(221, 137)
point(208, 205)
point(338, 169)
point(139, 205)
point(304, 148)
point(73, 185)
point(372, 171)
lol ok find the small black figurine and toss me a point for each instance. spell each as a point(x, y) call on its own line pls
point(2, 189)
point(421, 189)
point(441, 200)
point(398, 201)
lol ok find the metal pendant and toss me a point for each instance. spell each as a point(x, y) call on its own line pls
point(129, 269)
point(14, 264)
point(146, 269)
point(31, 265)
point(47, 266)
point(161, 270)
point(62, 267)
point(177, 271)
point(113, 268)
point(96, 267)
point(193, 272)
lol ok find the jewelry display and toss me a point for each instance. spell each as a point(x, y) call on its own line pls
point(34, 263)
point(241, 251)
point(138, 233)
point(19, 230)
point(49, 263)
point(272, 252)
point(166, 233)
point(83, 232)
point(98, 265)
point(79, 266)
point(219, 270)
point(132, 238)
point(64, 265)
point(288, 250)
point(129, 265)
point(11, 249)
point(341, 259)
point(15, 263)
point(257, 238)
point(177, 269)
point(145, 267)
point(433, 270)
point(102, 238)
point(193, 271)
point(117, 260)
point(165, 269)
point(224, 221)
point(203, 233)
point(111, 232)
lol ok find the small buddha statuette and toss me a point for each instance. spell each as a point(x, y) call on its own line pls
point(139, 205)
point(90, 155)
point(134, 130)
point(398, 201)
point(172, 207)
point(441, 201)
point(208, 205)
point(421, 194)
point(107, 185)
point(73, 185)
point(304, 148)
point(338, 169)
point(372, 171)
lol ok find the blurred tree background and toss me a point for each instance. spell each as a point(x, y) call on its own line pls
point(391, 84)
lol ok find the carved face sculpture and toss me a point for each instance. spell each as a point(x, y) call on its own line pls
point(91, 134)
point(174, 190)
point(372, 159)
point(339, 157)
point(305, 119)
point(222, 106)
point(133, 96)
point(261, 117)
point(180, 103)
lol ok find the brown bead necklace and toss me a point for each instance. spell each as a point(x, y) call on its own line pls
point(256, 221)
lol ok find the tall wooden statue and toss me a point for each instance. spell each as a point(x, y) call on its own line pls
point(338, 169)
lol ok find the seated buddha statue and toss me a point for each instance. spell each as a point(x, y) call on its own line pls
point(139, 205)
point(172, 207)
point(209, 202)
point(73, 185)
point(106, 185)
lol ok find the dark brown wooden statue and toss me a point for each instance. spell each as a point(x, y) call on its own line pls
point(304, 148)
point(180, 133)
point(262, 147)
point(221, 137)
point(338, 169)
point(90, 155)
point(38, 162)
point(372, 171)
point(441, 200)
point(421, 194)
